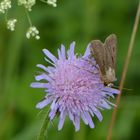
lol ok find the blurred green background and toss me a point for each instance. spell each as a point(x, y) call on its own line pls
point(72, 20)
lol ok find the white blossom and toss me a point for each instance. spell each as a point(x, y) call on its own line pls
point(4, 5)
point(27, 3)
point(33, 32)
point(11, 24)
point(52, 2)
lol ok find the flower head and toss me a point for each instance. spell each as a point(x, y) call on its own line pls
point(74, 87)
point(5, 5)
point(33, 32)
point(27, 3)
point(11, 24)
point(52, 2)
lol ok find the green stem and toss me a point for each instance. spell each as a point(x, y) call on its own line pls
point(28, 17)
point(130, 48)
point(6, 19)
point(43, 130)
point(44, 1)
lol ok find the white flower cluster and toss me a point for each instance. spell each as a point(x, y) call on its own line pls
point(27, 3)
point(4, 5)
point(52, 2)
point(33, 32)
point(11, 24)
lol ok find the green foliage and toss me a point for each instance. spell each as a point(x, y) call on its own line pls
point(82, 21)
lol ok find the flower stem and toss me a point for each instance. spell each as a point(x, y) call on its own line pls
point(44, 1)
point(28, 17)
point(6, 16)
point(130, 48)
point(43, 130)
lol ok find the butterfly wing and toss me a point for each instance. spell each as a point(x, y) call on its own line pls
point(105, 56)
point(110, 60)
point(110, 47)
point(98, 51)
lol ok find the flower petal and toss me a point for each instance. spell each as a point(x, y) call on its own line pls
point(84, 118)
point(49, 61)
point(107, 93)
point(87, 52)
point(50, 55)
point(59, 54)
point(112, 90)
point(43, 103)
point(90, 122)
point(54, 108)
point(42, 67)
point(77, 123)
point(97, 113)
point(105, 105)
point(43, 76)
point(62, 119)
point(52, 114)
point(48, 69)
point(70, 52)
point(39, 85)
point(63, 52)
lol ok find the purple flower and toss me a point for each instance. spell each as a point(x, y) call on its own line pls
point(74, 87)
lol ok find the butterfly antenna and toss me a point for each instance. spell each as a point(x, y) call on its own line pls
point(123, 88)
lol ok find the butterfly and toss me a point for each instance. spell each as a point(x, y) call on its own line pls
point(105, 56)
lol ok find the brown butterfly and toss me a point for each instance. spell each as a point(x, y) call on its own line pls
point(105, 56)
